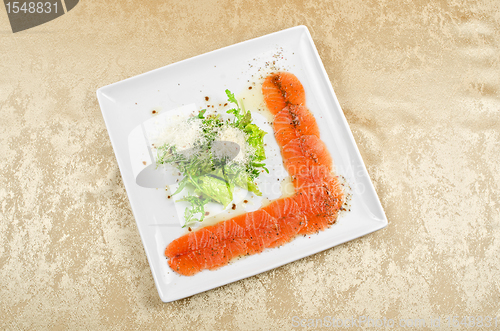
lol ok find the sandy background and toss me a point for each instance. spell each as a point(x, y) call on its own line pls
point(418, 82)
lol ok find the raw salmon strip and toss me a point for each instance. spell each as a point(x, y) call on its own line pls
point(256, 231)
point(314, 207)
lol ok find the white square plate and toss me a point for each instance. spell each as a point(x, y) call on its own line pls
point(130, 102)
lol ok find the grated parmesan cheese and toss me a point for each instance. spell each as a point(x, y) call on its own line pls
point(229, 133)
point(179, 132)
point(186, 134)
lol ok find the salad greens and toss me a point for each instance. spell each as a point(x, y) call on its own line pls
point(208, 176)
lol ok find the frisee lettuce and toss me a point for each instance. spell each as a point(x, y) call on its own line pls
point(210, 179)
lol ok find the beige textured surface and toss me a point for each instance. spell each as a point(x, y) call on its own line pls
point(418, 82)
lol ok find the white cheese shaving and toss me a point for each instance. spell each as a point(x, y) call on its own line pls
point(229, 133)
point(178, 131)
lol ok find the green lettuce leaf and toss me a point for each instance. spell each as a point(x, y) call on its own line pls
point(215, 186)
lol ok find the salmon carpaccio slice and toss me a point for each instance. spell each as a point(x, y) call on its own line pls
point(304, 153)
point(314, 206)
point(292, 122)
point(282, 89)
